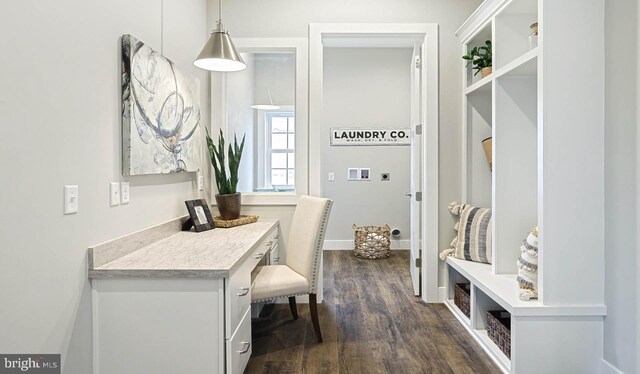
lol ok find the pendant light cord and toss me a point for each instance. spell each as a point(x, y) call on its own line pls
point(219, 26)
point(161, 26)
point(270, 99)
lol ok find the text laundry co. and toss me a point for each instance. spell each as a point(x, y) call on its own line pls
point(360, 136)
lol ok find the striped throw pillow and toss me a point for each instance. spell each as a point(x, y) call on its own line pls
point(474, 234)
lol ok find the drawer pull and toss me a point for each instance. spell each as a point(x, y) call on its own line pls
point(245, 344)
point(276, 259)
point(258, 256)
point(268, 244)
point(245, 291)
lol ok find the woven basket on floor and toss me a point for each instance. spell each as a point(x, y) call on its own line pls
point(499, 330)
point(372, 242)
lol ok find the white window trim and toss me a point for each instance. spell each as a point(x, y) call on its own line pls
point(268, 146)
point(219, 115)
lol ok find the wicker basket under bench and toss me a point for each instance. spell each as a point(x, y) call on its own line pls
point(462, 298)
point(499, 330)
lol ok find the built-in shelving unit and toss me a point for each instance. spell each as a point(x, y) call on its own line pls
point(539, 110)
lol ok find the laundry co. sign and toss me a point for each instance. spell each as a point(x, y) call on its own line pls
point(367, 136)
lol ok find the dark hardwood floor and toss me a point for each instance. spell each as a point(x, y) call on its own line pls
point(371, 323)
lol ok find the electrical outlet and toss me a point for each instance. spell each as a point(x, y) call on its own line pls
point(114, 193)
point(124, 192)
point(71, 199)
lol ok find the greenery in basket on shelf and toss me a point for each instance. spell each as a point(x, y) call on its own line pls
point(480, 57)
point(226, 185)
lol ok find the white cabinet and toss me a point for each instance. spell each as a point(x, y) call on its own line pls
point(158, 326)
point(543, 108)
point(239, 346)
point(157, 311)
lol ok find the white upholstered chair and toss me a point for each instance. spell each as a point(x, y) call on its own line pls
point(300, 274)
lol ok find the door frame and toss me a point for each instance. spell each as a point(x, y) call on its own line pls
point(430, 121)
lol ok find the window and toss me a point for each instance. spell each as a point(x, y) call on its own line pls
point(268, 104)
point(280, 153)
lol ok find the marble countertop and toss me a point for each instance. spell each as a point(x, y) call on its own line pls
point(186, 254)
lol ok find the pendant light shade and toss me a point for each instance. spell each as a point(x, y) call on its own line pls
point(219, 54)
point(269, 106)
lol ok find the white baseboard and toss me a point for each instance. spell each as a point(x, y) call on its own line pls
point(442, 294)
point(607, 368)
point(332, 245)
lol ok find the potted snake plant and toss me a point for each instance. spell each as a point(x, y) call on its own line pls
point(228, 198)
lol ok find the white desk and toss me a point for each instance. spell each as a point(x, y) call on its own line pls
point(166, 301)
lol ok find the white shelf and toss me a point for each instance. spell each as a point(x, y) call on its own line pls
point(503, 289)
point(532, 105)
point(500, 358)
point(482, 338)
point(457, 312)
point(525, 65)
point(483, 85)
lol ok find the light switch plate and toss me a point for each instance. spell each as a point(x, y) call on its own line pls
point(124, 192)
point(71, 199)
point(332, 176)
point(114, 193)
point(200, 182)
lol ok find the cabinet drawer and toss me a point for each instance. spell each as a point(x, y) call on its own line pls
point(238, 290)
point(271, 241)
point(275, 256)
point(275, 236)
point(239, 346)
point(238, 286)
point(237, 297)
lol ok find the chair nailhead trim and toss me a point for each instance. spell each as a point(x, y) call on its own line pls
point(279, 297)
point(314, 273)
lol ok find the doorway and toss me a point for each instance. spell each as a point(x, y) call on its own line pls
point(377, 43)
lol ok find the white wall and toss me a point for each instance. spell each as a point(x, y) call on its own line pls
point(367, 87)
point(621, 345)
point(60, 119)
point(275, 72)
point(290, 18)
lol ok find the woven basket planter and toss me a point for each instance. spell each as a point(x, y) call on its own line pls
point(499, 330)
point(486, 71)
point(462, 298)
point(372, 242)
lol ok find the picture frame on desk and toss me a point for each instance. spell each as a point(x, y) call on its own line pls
point(199, 216)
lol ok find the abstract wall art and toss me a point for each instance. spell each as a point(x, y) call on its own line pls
point(161, 130)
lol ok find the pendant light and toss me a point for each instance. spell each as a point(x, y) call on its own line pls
point(219, 54)
point(269, 106)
